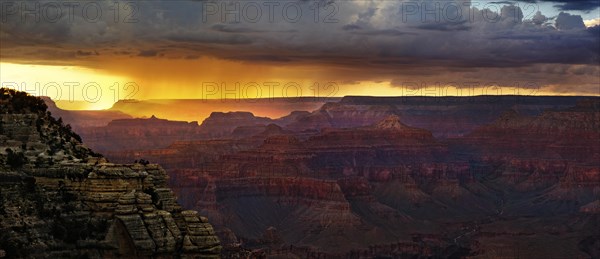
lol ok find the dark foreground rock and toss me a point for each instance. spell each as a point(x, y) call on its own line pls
point(60, 199)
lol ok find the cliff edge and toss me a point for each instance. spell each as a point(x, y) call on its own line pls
point(60, 199)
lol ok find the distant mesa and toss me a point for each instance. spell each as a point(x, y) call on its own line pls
point(391, 123)
point(152, 121)
point(274, 129)
point(200, 109)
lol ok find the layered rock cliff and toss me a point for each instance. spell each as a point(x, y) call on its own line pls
point(60, 199)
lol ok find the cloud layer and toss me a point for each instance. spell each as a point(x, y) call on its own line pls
point(350, 40)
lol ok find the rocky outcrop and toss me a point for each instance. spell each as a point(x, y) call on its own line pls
point(60, 199)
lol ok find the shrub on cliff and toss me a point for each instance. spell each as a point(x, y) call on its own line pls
point(22, 101)
point(15, 159)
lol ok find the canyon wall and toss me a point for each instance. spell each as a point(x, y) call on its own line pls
point(60, 199)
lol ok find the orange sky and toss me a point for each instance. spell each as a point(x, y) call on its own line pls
point(211, 78)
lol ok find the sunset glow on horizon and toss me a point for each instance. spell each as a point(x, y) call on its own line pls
point(193, 49)
point(50, 80)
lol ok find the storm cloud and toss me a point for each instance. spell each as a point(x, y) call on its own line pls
point(379, 38)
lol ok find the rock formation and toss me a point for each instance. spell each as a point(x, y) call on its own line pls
point(60, 199)
point(404, 184)
point(142, 134)
point(221, 125)
point(445, 117)
point(200, 109)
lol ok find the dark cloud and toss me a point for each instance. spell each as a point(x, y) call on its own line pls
point(566, 21)
point(458, 26)
point(230, 39)
point(192, 57)
point(375, 31)
point(351, 27)
point(386, 32)
point(503, 2)
point(87, 53)
point(594, 30)
point(577, 5)
point(234, 29)
point(366, 40)
point(148, 53)
point(570, 5)
point(262, 58)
